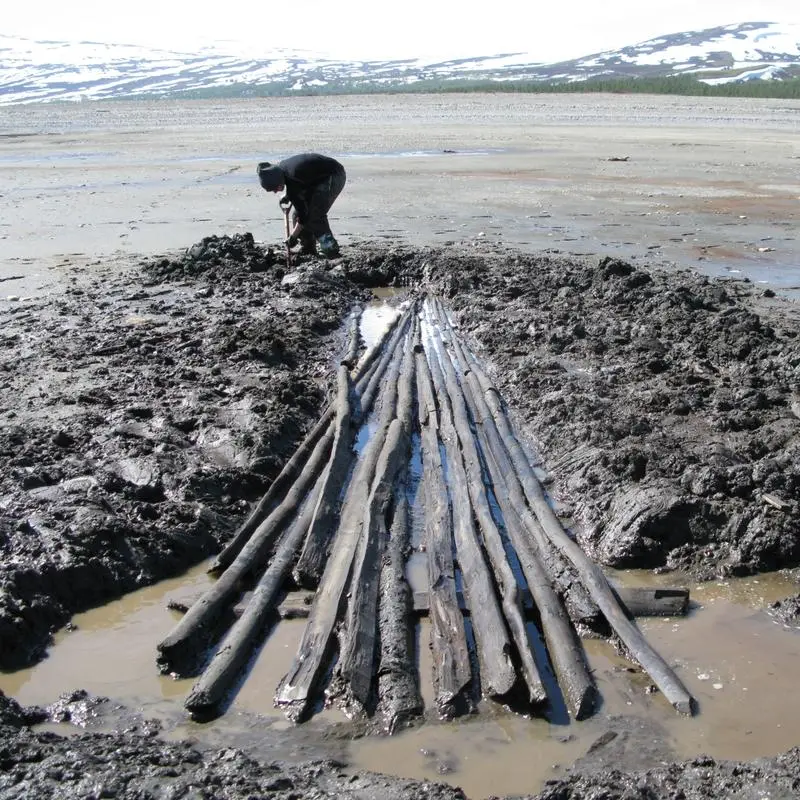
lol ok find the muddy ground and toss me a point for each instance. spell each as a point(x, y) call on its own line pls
point(147, 409)
point(154, 388)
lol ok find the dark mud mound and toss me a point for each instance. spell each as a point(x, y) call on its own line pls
point(146, 410)
point(703, 777)
point(664, 404)
point(140, 766)
point(786, 611)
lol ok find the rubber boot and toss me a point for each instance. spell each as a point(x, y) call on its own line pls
point(328, 246)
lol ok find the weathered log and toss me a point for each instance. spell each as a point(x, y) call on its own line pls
point(562, 640)
point(399, 698)
point(492, 538)
point(355, 671)
point(580, 606)
point(294, 465)
point(354, 340)
point(451, 668)
point(218, 677)
point(638, 601)
point(313, 556)
point(653, 602)
point(295, 690)
point(195, 626)
point(592, 576)
point(497, 675)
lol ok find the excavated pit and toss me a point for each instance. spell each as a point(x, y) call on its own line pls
point(151, 409)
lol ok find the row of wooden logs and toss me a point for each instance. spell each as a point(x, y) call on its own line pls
point(338, 523)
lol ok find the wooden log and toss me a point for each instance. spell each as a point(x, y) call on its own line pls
point(399, 698)
point(592, 576)
point(295, 691)
point(353, 341)
point(451, 667)
point(637, 601)
point(648, 601)
point(510, 594)
point(355, 670)
point(178, 647)
point(497, 674)
point(294, 465)
point(311, 563)
point(215, 683)
point(581, 608)
point(217, 679)
point(563, 643)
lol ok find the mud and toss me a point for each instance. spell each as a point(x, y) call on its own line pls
point(147, 409)
point(147, 404)
point(664, 404)
point(150, 407)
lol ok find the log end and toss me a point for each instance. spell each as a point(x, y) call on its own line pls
point(584, 704)
point(685, 706)
point(202, 706)
point(217, 567)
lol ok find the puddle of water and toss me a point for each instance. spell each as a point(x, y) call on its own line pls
point(379, 314)
point(112, 653)
point(733, 658)
point(428, 153)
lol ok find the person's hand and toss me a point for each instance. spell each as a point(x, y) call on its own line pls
point(291, 241)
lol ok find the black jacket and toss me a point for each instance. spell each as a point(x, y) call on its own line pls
point(304, 172)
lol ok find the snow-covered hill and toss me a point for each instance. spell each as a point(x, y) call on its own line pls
point(33, 71)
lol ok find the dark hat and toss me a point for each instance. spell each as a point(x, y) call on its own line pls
point(270, 176)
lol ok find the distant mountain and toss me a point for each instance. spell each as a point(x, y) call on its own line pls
point(33, 71)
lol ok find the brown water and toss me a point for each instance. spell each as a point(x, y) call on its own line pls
point(737, 662)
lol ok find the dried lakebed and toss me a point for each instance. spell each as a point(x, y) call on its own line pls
point(149, 410)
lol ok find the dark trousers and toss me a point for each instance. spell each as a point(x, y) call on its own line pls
point(320, 199)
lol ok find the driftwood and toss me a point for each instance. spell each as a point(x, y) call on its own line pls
point(399, 699)
point(354, 673)
point(218, 677)
point(451, 668)
point(194, 627)
point(294, 693)
point(497, 675)
point(294, 465)
point(563, 643)
point(591, 575)
point(509, 588)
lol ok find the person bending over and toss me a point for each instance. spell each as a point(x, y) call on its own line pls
point(312, 182)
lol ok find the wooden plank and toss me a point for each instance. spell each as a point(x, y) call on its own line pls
point(638, 601)
point(399, 698)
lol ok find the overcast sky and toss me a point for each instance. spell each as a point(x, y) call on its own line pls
point(365, 29)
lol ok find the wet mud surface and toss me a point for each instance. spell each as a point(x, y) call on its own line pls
point(148, 407)
point(663, 404)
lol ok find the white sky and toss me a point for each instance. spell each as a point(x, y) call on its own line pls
point(369, 29)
